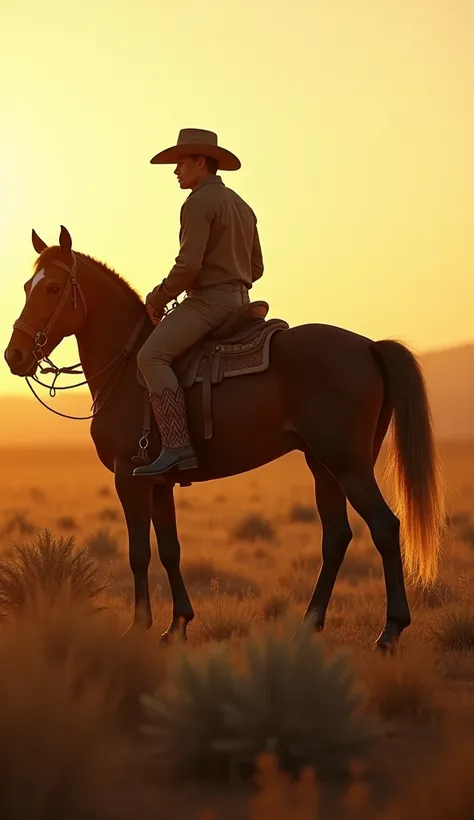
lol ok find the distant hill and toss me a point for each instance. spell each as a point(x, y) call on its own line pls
point(450, 378)
point(449, 375)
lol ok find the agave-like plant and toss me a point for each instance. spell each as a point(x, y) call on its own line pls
point(214, 715)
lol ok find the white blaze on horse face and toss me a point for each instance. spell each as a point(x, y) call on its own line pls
point(36, 278)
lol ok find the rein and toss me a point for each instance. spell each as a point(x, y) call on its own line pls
point(40, 339)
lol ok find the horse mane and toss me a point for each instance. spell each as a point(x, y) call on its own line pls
point(55, 252)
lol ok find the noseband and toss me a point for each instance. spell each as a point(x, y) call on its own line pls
point(72, 290)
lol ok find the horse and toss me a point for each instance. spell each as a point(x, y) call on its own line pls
point(326, 391)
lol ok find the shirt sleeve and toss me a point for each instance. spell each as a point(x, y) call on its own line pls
point(257, 259)
point(196, 219)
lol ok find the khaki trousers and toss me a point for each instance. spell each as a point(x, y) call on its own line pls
point(199, 313)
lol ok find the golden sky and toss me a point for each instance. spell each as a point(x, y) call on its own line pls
point(354, 121)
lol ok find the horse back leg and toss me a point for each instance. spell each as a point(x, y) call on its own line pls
point(351, 463)
point(336, 537)
point(363, 492)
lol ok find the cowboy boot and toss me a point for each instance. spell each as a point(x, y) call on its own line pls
point(177, 451)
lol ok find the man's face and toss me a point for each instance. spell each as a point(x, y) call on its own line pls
point(190, 171)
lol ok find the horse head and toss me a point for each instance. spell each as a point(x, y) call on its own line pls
point(54, 307)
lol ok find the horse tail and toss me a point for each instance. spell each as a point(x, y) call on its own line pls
point(413, 461)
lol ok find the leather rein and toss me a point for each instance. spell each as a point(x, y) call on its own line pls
point(73, 290)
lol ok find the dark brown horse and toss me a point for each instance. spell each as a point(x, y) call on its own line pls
point(327, 392)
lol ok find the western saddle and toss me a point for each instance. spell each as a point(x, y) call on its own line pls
point(239, 347)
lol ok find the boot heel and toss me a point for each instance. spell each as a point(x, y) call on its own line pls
point(188, 463)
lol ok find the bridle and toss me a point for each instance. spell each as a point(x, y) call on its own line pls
point(73, 291)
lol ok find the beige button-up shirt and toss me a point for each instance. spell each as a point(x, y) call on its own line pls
point(219, 243)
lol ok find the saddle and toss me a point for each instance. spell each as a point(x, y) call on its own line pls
point(237, 348)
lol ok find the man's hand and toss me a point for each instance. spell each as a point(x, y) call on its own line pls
point(155, 318)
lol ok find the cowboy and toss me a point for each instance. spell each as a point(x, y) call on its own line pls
point(219, 260)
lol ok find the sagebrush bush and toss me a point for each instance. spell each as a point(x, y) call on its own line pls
point(109, 514)
point(303, 513)
point(43, 568)
point(214, 715)
point(18, 522)
point(254, 527)
point(102, 545)
point(67, 522)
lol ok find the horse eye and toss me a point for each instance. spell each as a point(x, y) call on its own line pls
point(53, 288)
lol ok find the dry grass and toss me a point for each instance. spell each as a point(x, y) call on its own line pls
point(68, 652)
point(223, 617)
point(443, 792)
point(65, 690)
point(274, 605)
point(455, 628)
point(404, 686)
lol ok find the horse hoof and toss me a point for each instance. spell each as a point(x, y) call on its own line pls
point(173, 634)
point(165, 638)
point(136, 628)
point(387, 647)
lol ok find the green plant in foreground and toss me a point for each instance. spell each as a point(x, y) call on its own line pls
point(43, 568)
point(218, 709)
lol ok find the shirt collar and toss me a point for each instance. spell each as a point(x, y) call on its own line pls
point(212, 179)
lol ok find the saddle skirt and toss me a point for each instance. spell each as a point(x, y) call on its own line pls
point(239, 347)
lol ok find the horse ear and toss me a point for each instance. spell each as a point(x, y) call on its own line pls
point(65, 241)
point(38, 243)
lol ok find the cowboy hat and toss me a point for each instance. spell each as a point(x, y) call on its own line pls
point(192, 141)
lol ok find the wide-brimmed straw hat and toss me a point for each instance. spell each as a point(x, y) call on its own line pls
point(192, 141)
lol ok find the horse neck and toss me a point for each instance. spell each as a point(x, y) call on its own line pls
point(111, 318)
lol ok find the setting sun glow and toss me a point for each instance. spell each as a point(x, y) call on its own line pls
point(353, 122)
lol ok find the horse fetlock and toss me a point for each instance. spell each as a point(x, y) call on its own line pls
point(183, 615)
point(143, 620)
point(389, 638)
point(317, 618)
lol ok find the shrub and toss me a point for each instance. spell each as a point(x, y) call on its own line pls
point(303, 513)
point(102, 545)
point(109, 514)
point(67, 522)
point(213, 717)
point(254, 527)
point(18, 522)
point(45, 567)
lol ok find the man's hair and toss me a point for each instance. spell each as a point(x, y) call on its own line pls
point(212, 165)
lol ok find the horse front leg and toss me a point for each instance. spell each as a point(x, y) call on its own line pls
point(169, 550)
point(135, 498)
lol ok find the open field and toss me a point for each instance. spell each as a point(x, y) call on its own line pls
point(247, 577)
